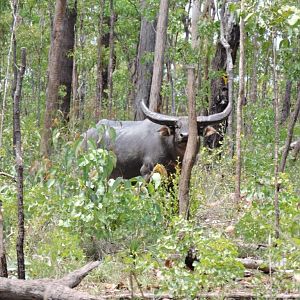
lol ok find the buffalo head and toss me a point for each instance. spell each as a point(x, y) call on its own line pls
point(179, 125)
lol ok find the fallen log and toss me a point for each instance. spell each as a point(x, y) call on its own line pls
point(209, 295)
point(55, 289)
point(256, 264)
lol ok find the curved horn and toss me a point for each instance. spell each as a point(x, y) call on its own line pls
point(204, 121)
point(157, 117)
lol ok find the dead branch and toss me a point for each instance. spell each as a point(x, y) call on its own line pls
point(73, 279)
point(13, 178)
point(40, 289)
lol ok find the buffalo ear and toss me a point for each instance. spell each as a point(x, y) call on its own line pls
point(165, 131)
point(209, 130)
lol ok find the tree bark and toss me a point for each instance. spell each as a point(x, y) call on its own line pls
point(14, 65)
point(229, 71)
point(144, 65)
point(219, 89)
point(290, 132)
point(191, 148)
point(253, 86)
point(111, 58)
point(3, 263)
point(19, 167)
point(276, 142)
point(75, 96)
point(241, 97)
point(99, 88)
point(160, 44)
point(286, 105)
point(193, 140)
point(67, 59)
point(40, 289)
point(54, 77)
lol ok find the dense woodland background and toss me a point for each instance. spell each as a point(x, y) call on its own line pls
point(88, 60)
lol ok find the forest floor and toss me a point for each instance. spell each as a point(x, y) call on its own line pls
point(218, 213)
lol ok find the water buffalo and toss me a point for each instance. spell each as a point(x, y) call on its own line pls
point(159, 139)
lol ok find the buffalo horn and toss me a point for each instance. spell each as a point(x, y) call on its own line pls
point(157, 117)
point(202, 121)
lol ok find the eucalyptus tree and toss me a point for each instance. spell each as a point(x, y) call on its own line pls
point(54, 77)
point(160, 43)
point(144, 62)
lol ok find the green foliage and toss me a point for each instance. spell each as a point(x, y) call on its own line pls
point(216, 255)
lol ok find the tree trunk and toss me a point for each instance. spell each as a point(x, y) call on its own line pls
point(3, 264)
point(241, 97)
point(67, 57)
point(160, 43)
point(219, 89)
point(99, 86)
point(191, 148)
point(229, 70)
point(14, 66)
point(290, 132)
point(253, 86)
point(111, 58)
point(75, 96)
point(276, 142)
point(19, 167)
point(193, 140)
point(54, 77)
point(286, 105)
point(144, 66)
point(6, 78)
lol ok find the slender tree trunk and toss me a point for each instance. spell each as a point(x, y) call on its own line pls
point(144, 66)
point(193, 140)
point(99, 89)
point(14, 61)
point(160, 43)
point(54, 77)
point(286, 105)
point(111, 57)
point(241, 97)
point(266, 79)
point(39, 73)
point(253, 86)
point(6, 77)
point(191, 148)
point(229, 71)
point(19, 168)
point(288, 141)
point(3, 264)
point(83, 73)
point(276, 145)
point(75, 97)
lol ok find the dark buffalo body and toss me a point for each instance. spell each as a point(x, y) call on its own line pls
point(140, 145)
